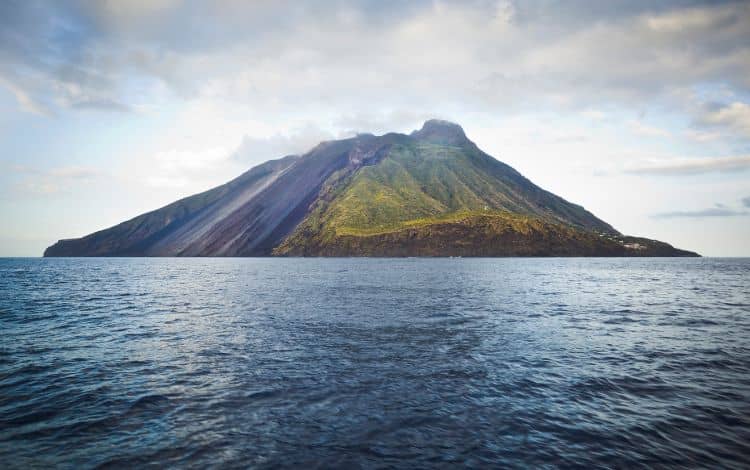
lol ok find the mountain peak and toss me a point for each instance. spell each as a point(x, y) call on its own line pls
point(433, 193)
point(438, 131)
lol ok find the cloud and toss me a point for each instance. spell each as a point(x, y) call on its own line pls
point(53, 56)
point(690, 19)
point(375, 122)
point(703, 136)
point(258, 149)
point(101, 105)
point(32, 181)
point(25, 101)
point(734, 116)
point(719, 210)
point(65, 172)
point(350, 56)
point(649, 131)
point(693, 166)
point(594, 114)
point(72, 172)
point(304, 136)
point(177, 168)
point(712, 212)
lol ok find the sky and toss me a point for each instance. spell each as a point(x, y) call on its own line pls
point(637, 110)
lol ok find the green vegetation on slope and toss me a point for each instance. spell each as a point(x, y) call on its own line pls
point(467, 233)
point(420, 184)
point(462, 233)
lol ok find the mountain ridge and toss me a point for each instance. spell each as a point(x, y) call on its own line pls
point(432, 192)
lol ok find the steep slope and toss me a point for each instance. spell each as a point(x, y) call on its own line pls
point(137, 236)
point(438, 171)
point(433, 192)
point(248, 216)
point(400, 205)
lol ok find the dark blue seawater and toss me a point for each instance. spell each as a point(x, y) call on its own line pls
point(374, 362)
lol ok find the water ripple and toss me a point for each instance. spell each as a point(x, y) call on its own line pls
point(122, 363)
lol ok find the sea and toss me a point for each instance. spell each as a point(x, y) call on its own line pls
point(374, 363)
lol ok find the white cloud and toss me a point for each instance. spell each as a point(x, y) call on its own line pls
point(280, 57)
point(690, 20)
point(172, 160)
point(257, 149)
point(25, 101)
point(133, 10)
point(594, 114)
point(693, 166)
point(650, 131)
point(735, 116)
point(32, 181)
point(703, 136)
point(710, 212)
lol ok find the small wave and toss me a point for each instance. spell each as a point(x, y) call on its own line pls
point(148, 403)
point(620, 320)
point(264, 394)
point(696, 322)
point(635, 386)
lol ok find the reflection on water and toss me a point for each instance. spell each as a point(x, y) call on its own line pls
point(356, 362)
